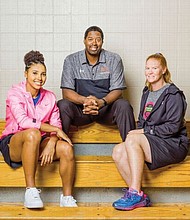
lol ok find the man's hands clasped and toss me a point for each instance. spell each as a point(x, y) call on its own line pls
point(92, 105)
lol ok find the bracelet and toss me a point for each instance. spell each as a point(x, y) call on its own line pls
point(105, 103)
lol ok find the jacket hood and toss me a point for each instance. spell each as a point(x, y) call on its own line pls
point(172, 89)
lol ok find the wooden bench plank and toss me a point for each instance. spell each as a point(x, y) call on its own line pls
point(92, 133)
point(93, 169)
point(18, 212)
point(95, 133)
point(2, 125)
point(98, 171)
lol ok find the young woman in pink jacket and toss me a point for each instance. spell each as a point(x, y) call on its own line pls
point(33, 132)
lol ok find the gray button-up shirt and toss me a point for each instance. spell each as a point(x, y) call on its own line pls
point(98, 80)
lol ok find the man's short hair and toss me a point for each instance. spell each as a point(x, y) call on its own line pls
point(94, 28)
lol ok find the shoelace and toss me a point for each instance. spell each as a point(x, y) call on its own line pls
point(69, 199)
point(35, 192)
point(128, 194)
point(126, 191)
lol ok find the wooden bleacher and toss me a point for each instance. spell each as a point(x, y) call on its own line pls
point(90, 172)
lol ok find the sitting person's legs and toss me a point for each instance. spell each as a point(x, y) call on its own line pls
point(129, 158)
point(71, 114)
point(120, 113)
point(24, 146)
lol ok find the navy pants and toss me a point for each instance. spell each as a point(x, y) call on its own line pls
point(119, 113)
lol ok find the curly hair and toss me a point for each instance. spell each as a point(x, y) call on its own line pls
point(33, 57)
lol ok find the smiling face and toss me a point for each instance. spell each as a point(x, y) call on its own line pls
point(154, 72)
point(93, 43)
point(35, 78)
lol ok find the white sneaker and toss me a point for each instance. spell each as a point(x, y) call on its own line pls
point(32, 198)
point(67, 201)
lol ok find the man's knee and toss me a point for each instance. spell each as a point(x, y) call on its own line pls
point(63, 103)
point(123, 105)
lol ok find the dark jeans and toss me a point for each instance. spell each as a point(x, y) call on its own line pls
point(119, 113)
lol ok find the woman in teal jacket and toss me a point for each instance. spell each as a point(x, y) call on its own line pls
point(161, 137)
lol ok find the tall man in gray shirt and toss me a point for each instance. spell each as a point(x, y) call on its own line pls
point(92, 83)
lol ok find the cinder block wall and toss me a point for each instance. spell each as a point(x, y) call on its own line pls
point(134, 29)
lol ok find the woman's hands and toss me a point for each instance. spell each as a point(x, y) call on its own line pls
point(48, 152)
point(56, 134)
point(61, 135)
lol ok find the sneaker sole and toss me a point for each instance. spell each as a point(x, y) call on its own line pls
point(69, 206)
point(138, 205)
point(148, 204)
point(34, 206)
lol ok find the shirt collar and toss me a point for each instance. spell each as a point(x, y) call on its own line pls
point(83, 59)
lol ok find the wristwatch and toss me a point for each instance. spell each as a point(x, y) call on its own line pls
point(105, 103)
